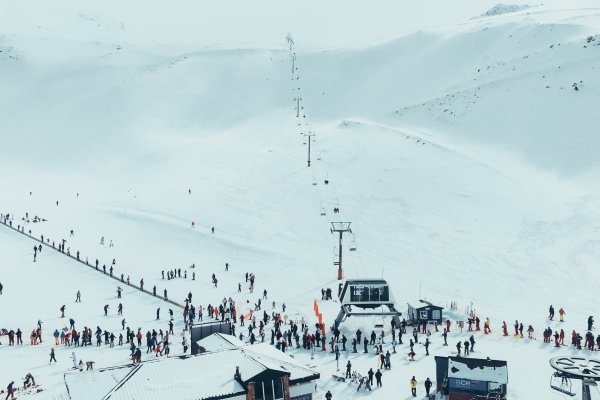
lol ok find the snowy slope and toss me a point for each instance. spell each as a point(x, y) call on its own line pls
point(462, 154)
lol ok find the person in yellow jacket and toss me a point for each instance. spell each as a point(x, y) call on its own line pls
point(413, 386)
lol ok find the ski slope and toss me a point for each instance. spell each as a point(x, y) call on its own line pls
point(458, 148)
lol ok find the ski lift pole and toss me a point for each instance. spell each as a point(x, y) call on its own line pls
point(308, 136)
point(341, 228)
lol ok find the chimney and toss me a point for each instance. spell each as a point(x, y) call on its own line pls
point(285, 381)
point(250, 393)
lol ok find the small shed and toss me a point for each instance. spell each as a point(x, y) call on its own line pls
point(463, 378)
point(424, 312)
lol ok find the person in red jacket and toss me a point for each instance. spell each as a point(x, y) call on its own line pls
point(447, 325)
point(562, 337)
point(504, 328)
point(562, 314)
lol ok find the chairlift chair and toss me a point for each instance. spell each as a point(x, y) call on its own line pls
point(352, 244)
point(561, 384)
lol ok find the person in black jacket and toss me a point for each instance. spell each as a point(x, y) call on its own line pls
point(428, 385)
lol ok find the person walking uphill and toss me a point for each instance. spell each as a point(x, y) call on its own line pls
point(52, 357)
point(413, 386)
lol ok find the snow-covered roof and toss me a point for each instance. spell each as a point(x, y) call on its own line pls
point(79, 383)
point(219, 341)
point(418, 303)
point(478, 369)
point(203, 376)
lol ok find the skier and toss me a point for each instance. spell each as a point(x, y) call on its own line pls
point(466, 344)
point(458, 347)
point(590, 323)
point(62, 311)
point(78, 298)
point(551, 312)
point(165, 293)
point(105, 310)
point(472, 341)
point(328, 395)
point(427, 346)
point(348, 369)
point(158, 313)
point(413, 386)
point(445, 336)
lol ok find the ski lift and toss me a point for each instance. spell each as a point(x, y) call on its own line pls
point(561, 383)
point(352, 244)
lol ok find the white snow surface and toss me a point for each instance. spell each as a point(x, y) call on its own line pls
point(458, 148)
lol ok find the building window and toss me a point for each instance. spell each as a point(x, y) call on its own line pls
point(423, 314)
point(374, 296)
point(269, 390)
point(356, 294)
point(435, 314)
